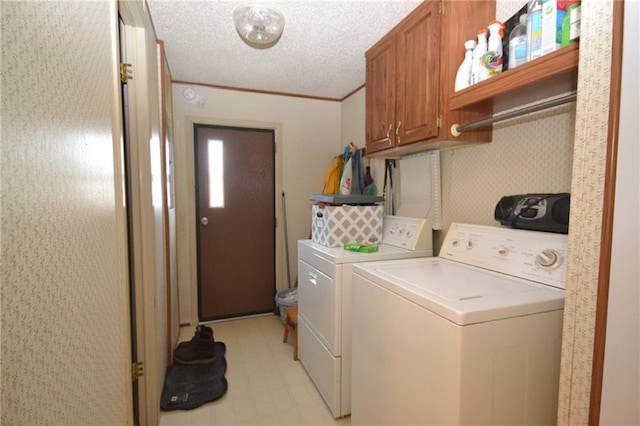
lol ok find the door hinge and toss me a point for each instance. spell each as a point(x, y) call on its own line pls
point(126, 73)
point(137, 370)
point(441, 7)
point(439, 122)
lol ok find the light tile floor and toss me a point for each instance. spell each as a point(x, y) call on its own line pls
point(266, 386)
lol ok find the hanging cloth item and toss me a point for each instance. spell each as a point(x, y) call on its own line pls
point(357, 174)
point(333, 175)
point(368, 179)
point(347, 170)
point(370, 187)
point(387, 190)
point(345, 181)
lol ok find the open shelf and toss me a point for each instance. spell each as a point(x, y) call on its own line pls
point(557, 70)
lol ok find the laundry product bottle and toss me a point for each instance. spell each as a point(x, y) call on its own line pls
point(463, 76)
point(571, 24)
point(492, 60)
point(534, 29)
point(518, 43)
point(477, 75)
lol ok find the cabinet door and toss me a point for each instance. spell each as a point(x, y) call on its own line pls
point(380, 94)
point(418, 75)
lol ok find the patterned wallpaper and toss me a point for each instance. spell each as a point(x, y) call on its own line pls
point(586, 211)
point(64, 308)
point(528, 154)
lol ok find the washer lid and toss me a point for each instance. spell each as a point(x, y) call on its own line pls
point(460, 293)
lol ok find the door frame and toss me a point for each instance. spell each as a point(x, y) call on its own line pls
point(168, 203)
point(148, 267)
point(143, 266)
point(609, 204)
point(190, 208)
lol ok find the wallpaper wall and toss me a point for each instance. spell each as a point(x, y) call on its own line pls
point(586, 211)
point(528, 154)
point(64, 307)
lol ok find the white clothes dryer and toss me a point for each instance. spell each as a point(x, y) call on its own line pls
point(470, 337)
point(324, 302)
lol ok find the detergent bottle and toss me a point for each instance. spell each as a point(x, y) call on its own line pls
point(534, 29)
point(493, 59)
point(463, 77)
point(518, 43)
point(481, 48)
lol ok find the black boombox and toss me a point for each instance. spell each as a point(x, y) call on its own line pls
point(537, 212)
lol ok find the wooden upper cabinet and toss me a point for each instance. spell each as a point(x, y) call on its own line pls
point(408, 79)
point(411, 104)
point(402, 82)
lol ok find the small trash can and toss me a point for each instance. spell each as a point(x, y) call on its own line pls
point(284, 298)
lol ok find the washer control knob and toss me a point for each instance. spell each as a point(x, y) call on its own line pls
point(455, 243)
point(502, 251)
point(548, 258)
point(471, 244)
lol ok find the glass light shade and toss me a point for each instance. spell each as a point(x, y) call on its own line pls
point(258, 24)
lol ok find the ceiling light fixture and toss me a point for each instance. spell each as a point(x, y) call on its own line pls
point(259, 26)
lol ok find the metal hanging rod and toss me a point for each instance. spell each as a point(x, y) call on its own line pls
point(456, 129)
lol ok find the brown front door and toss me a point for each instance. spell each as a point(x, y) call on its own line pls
point(235, 203)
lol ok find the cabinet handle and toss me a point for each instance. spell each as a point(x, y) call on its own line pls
point(313, 279)
point(398, 132)
point(389, 133)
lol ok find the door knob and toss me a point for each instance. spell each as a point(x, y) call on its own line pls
point(204, 221)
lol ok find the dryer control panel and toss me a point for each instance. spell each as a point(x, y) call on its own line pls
point(533, 255)
point(407, 232)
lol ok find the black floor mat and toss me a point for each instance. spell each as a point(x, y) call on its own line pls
point(189, 386)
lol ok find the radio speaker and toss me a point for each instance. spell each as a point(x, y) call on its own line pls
point(536, 212)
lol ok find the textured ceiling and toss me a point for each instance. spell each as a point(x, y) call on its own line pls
point(320, 53)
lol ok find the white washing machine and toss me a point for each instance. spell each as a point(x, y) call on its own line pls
point(324, 295)
point(470, 337)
